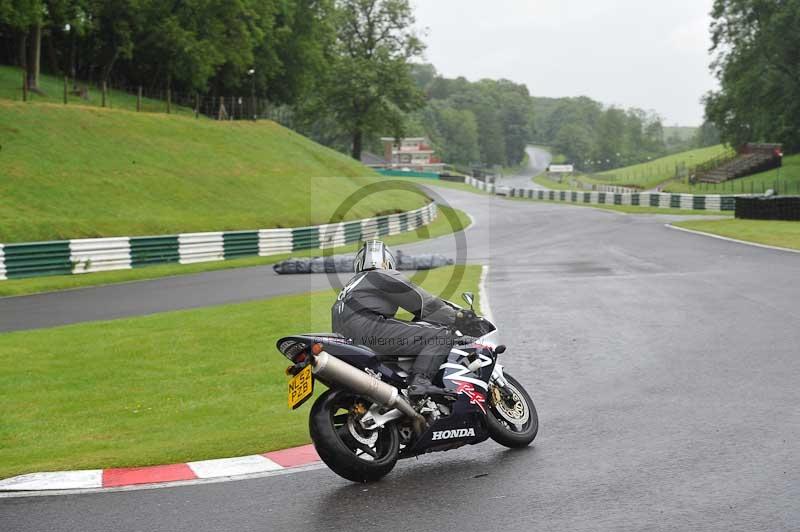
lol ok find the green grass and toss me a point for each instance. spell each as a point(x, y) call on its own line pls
point(159, 389)
point(549, 183)
point(774, 233)
point(52, 91)
point(648, 175)
point(439, 227)
point(75, 172)
point(514, 170)
point(784, 181)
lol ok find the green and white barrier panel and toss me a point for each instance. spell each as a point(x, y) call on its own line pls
point(710, 202)
point(121, 253)
point(480, 185)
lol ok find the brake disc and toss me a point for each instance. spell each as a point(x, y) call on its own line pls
point(353, 428)
point(515, 413)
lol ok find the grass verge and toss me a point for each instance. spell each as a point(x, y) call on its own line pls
point(770, 232)
point(549, 183)
point(439, 227)
point(166, 388)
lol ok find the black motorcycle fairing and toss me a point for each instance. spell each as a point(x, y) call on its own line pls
point(357, 356)
point(466, 424)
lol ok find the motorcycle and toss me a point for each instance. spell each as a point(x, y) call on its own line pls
point(365, 421)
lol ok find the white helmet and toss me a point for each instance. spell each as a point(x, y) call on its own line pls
point(374, 255)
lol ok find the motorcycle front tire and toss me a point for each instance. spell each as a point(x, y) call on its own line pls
point(499, 429)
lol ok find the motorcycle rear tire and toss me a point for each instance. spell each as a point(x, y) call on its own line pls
point(500, 433)
point(333, 451)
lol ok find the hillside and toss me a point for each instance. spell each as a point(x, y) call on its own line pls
point(649, 174)
point(783, 181)
point(52, 91)
point(644, 175)
point(73, 171)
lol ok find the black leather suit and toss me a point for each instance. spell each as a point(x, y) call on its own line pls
point(364, 313)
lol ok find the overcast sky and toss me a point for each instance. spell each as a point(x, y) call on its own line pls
point(651, 54)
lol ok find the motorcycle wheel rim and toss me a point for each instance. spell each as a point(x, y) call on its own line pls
point(368, 446)
point(514, 413)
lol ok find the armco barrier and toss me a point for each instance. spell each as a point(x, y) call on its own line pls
point(100, 254)
point(121, 253)
point(642, 199)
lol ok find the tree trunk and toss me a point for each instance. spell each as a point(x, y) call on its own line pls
point(23, 50)
point(52, 55)
point(72, 53)
point(358, 141)
point(34, 65)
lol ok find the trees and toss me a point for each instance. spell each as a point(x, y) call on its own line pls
point(25, 18)
point(347, 69)
point(596, 138)
point(368, 86)
point(453, 132)
point(574, 142)
point(757, 46)
point(302, 41)
point(193, 45)
point(706, 135)
point(484, 122)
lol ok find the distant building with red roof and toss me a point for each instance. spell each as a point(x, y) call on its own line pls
point(413, 153)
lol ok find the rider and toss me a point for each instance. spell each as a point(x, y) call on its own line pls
point(364, 313)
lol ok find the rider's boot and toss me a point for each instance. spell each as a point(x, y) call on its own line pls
point(420, 386)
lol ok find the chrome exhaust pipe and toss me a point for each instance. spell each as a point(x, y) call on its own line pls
point(333, 370)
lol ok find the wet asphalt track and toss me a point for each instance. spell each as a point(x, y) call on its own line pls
point(538, 161)
point(664, 365)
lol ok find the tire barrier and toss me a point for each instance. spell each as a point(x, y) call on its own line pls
point(769, 208)
point(710, 202)
point(344, 263)
point(88, 255)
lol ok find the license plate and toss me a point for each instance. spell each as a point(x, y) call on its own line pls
point(301, 387)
